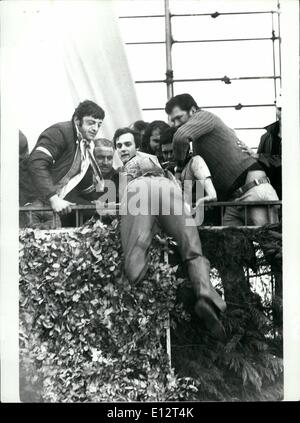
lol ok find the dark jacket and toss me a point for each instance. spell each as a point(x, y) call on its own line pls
point(269, 155)
point(27, 191)
point(88, 190)
point(47, 170)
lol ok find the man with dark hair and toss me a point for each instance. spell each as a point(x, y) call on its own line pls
point(140, 127)
point(166, 146)
point(150, 142)
point(127, 130)
point(184, 102)
point(62, 160)
point(161, 203)
point(235, 175)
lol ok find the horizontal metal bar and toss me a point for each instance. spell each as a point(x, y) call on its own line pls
point(225, 227)
point(144, 43)
point(178, 15)
point(77, 207)
point(212, 204)
point(237, 106)
point(247, 129)
point(200, 228)
point(243, 203)
point(226, 39)
point(242, 78)
point(221, 13)
point(203, 41)
point(141, 16)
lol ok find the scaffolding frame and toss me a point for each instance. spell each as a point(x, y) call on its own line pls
point(169, 41)
point(170, 80)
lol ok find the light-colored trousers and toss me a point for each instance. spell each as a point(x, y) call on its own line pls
point(255, 215)
point(162, 200)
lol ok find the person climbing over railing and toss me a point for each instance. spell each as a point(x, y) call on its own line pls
point(152, 199)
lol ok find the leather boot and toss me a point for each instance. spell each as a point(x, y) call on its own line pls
point(209, 302)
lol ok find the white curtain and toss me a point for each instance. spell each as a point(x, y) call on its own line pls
point(65, 52)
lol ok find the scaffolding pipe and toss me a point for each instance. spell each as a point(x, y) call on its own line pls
point(169, 42)
point(132, 43)
point(236, 107)
point(274, 58)
point(279, 38)
point(241, 78)
point(221, 40)
point(179, 15)
point(216, 14)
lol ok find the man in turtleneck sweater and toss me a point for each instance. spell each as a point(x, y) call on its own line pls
point(235, 175)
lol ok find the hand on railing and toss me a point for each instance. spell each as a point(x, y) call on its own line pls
point(60, 206)
point(104, 208)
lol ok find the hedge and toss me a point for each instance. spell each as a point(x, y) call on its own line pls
point(88, 335)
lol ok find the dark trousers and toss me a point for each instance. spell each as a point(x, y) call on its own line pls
point(76, 197)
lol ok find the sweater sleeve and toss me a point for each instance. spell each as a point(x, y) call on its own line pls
point(201, 123)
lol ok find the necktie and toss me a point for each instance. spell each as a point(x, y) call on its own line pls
point(96, 169)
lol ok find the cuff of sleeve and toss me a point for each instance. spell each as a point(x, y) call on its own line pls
point(50, 194)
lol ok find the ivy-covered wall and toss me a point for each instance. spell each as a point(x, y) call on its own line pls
point(86, 334)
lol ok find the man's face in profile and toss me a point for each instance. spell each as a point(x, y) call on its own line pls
point(180, 117)
point(104, 157)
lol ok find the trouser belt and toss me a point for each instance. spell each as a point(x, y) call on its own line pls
point(240, 191)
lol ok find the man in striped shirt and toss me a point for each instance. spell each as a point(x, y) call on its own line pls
point(235, 175)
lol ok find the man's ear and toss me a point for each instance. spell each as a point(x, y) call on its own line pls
point(77, 121)
point(192, 110)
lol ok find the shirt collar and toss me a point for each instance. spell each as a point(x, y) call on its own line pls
point(81, 140)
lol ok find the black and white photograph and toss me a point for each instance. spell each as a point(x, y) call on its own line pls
point(150, 168)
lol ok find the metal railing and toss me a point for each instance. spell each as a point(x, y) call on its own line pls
point(113, 210)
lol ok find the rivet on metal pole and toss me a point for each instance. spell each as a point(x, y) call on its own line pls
point(169, 42)
point(274, 58)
